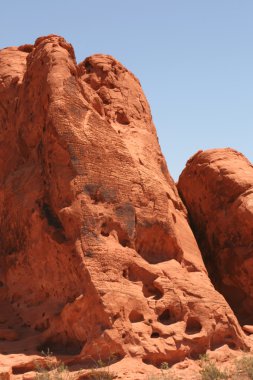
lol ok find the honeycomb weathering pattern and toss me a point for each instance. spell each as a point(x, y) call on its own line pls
point(97, 256)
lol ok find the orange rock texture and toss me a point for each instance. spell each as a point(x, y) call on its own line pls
point(97, 256)
point(217, 187)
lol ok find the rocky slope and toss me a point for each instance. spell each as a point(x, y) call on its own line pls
point(217, 187)
point(97, 256)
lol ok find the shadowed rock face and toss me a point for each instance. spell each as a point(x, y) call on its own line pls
point(97, 256)
point(217, 187)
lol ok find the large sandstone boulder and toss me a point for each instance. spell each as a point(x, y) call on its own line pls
point(97, 256)
point(217, 187)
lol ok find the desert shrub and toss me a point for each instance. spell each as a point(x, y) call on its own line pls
point(209, 371)
point(101, 370)
point(244, 368)
point(51, 370)
point(57, 372)
point(101, 375)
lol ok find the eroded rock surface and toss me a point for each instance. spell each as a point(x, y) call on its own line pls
point(217, 187)
point(97, 257)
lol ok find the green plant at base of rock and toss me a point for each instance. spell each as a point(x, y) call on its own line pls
point(51, 370)
point(101, 375)
point(59, 373)
point(244, 367)
point(164, 366)
point(209, 371)
point(101, 370)
point(204, 358)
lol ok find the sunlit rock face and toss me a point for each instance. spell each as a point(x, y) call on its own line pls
point(97, 256)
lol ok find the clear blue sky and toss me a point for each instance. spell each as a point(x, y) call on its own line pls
point(194, 59)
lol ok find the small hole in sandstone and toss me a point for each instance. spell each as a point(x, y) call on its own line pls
point(104, 230)
point(165, 318)
point(155, 334)
point(135, 316)
point(22, 369)
point(115, 316)
point(52, 219)
point(122, 118)
point(150, 321)
point(150, 291)
point(193, 326)
point(88, 67)
point(123, 335)
point(89, 254)
point(125, 273)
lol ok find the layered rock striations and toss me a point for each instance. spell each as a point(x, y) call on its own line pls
point(217, 187)
point(97, 256)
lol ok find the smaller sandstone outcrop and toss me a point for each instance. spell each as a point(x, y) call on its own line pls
point(217, 188)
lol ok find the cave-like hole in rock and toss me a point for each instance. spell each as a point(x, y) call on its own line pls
point(52, 219)
point(151, 291)
point(125, 273)
point(232, 345)
point(155, 243)
point(166, 317)
point(135, 316)
point(115, 317)
point(193, 326)
point(137, 274)
point(155, 334)
point(109, 226)
point(20, 369)
point(61, 348)
point(105, 230)
point(122, 118)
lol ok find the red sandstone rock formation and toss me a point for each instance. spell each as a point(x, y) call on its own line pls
point(97, 256)
point(217, 187)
